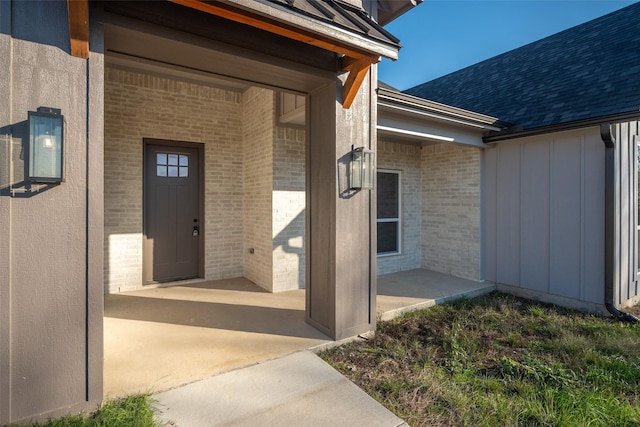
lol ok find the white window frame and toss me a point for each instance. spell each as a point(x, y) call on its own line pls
point(397, 220)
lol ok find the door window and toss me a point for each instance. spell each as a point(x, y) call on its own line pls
point(172, 165)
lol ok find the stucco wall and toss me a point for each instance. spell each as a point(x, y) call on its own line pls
point(405, 159)
point(141, 106)
point(451, 191)
point(48, 303)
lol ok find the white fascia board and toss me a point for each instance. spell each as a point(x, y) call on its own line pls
point(306, 23)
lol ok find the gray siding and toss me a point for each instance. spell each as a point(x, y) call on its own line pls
point(626, 279)
point(51, 244)
point(544, 215)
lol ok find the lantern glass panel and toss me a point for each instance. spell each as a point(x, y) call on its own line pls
point(45, 147)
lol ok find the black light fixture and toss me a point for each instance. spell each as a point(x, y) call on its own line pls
point(46, 145)
point(362, 169)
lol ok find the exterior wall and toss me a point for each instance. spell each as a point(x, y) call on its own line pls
point(288, 210)
point(141, 106)
point(274, 197)
point(48, 258)
point(627, 288)
point(406, 159)
point(341, 223)
point(544, 216)
point(451, 195)
point(257, 133)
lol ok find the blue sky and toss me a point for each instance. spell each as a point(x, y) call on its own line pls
point(442, 36)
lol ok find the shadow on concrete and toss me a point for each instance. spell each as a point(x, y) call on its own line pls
point(236, 285)
point(216, 315)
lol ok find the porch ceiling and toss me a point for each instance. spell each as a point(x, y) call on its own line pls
point(336, 27)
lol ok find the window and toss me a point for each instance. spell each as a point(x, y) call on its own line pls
point(389, 231)
point(172, 165)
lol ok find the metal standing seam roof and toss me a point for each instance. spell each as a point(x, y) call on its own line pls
point(340, 14)
point(586, 72)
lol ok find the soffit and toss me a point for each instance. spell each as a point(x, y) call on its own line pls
point(328, 24)
point(388, 10)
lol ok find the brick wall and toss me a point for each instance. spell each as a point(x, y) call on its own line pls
point(406, 159)
point(258, 123)
point(288, 212)
point(451, 210)
point(140, 106)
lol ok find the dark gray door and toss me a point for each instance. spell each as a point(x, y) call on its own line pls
point(172, 226)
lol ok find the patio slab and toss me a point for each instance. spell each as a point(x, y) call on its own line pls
point(156, 339)
point(412, 290)
point(162, 338)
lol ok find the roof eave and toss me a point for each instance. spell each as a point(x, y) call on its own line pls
point(388, 10)
point(509, 133)
point(307, 24)
point(409, 104)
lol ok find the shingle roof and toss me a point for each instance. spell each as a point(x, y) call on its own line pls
point(585, 72)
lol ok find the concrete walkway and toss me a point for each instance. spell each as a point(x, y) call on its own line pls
point(295, 390)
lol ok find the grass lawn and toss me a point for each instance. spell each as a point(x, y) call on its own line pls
point(502, 361)
point(132, 411)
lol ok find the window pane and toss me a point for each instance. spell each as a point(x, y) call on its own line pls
point(184, 172)
point(173, 159)
point(387, 192)
point(387, 237)
point(161, 170)
point(161, 158)
point(184, 160)
point(173, 171)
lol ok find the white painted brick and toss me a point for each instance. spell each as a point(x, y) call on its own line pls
point(451, 210)
point(139, 106)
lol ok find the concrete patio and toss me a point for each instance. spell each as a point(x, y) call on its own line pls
point(158, 339)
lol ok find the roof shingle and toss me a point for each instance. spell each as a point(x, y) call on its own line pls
point(585, 72)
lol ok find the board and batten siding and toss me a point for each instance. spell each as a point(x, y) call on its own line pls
point(544, 216)
point(626, 272)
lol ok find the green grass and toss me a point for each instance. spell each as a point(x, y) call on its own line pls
point(502, 361)
point(132, 411)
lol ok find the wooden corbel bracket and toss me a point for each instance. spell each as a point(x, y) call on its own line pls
point(78, 11)
point(358, 69)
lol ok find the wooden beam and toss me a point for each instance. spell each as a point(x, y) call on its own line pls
point(357, 63)
point(272, 26)
point(79, 27)
point(357, 72)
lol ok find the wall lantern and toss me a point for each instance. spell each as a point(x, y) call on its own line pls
point(362, 169)
point(46, 131)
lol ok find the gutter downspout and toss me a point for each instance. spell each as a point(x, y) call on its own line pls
point(610, 225)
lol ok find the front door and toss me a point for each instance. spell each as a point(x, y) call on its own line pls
point(171, 212)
